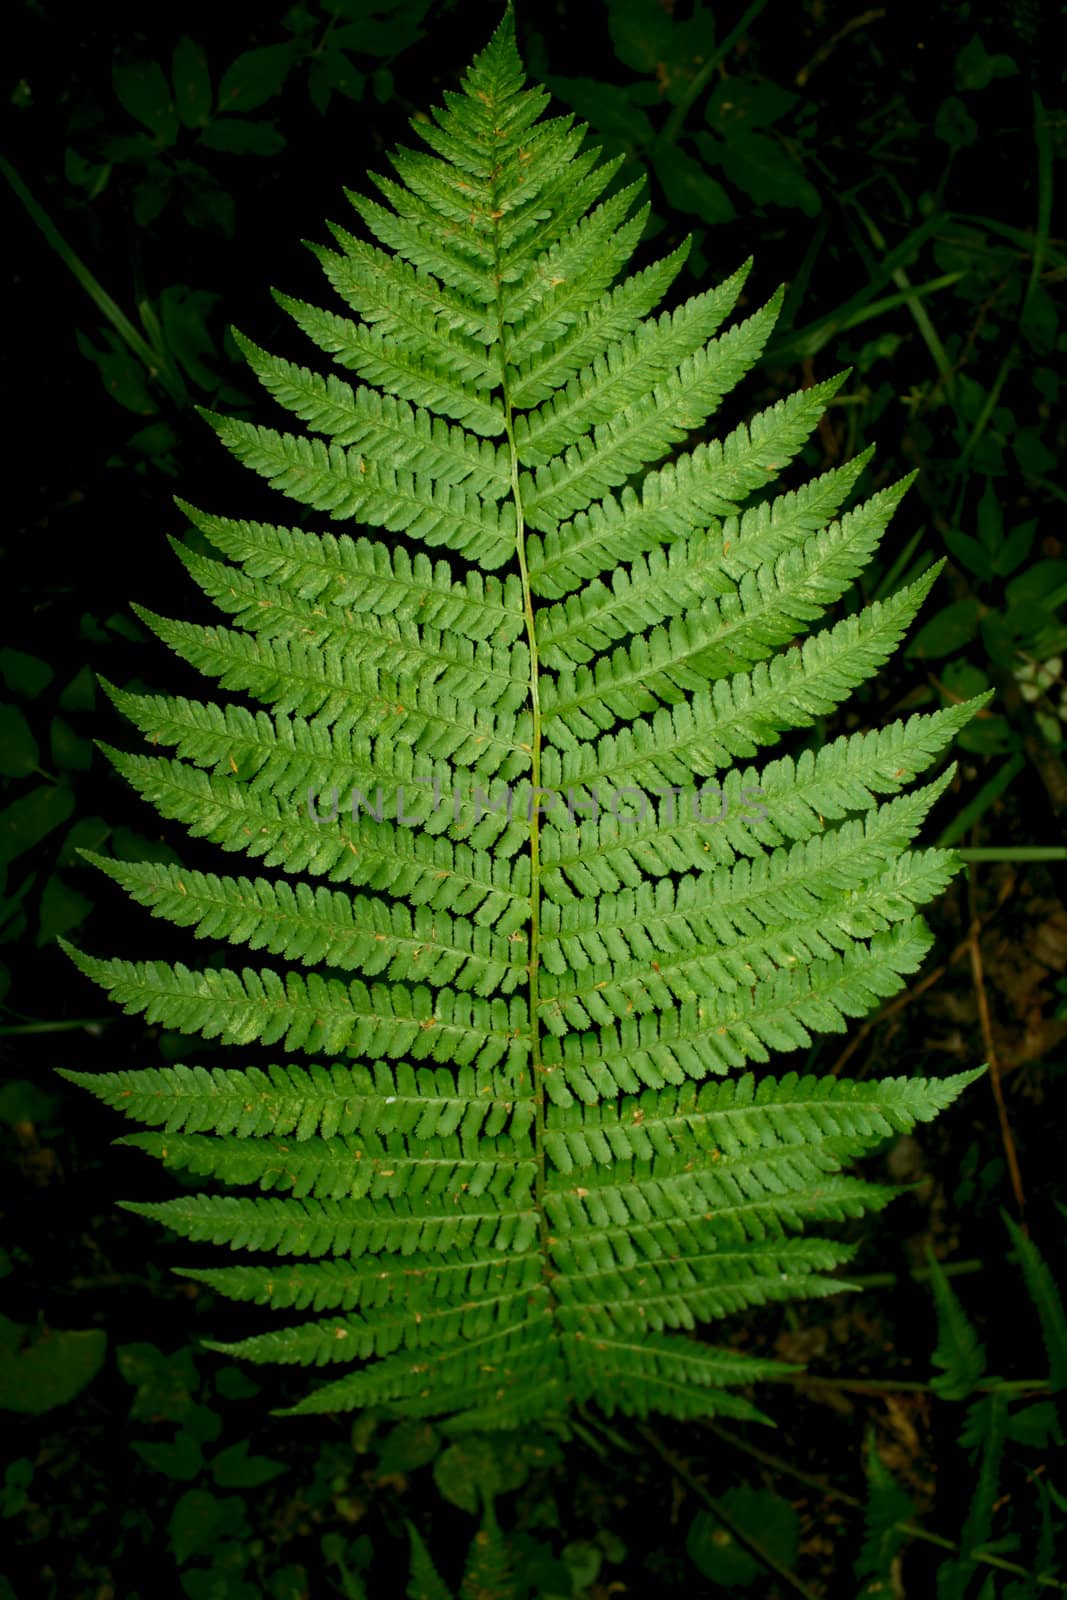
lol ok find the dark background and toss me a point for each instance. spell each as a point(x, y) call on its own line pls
point(902, 185)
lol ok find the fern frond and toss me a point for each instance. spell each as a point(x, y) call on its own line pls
point(741, 713)
point(643, 430)
point(627, 371)
point(343, 1166)
point(411, 440)
point(352, 849)
point(344, 483)
point(344, 1285)
point(324, 927)
point(315, 1099)
point(613, 317)
point(685, 575)
point(710, 481)
point(530, 979)
point(315, 1013)
point(721, 636)
point(289, 754)
point(732, 1116)
point(361, 575)
point(786, 889)
point(328, 681)
point(452, 386)
point(725, 1031)
point(750, 811)
point(347, 1227)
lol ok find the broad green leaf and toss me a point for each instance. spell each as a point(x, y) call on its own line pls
point(741, 104)
point(689, 187)
point(954, 123)
point(608, 108)
point(948, 632)
point(192, 83)
point(68, 750)
point(19, 754)
point(255, 77)
point(146, 95)
point(180, 1458)
point(32, 817)
point(240, 137)
point(42, 1370)
point(766, 1518)
point(333, 73)
point(641, 32)
point(200, 1520)
point(165, 1385)
point(62, 909)
point(976, 68)
point(767, 172)
point(234, 1468)
point(406, 1447)
point(24, 674)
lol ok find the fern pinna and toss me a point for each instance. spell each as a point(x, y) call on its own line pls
point(534, 913)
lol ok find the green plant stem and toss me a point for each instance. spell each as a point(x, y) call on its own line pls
point(154, 361)
point(809, 340)
point(22, 1029)
point(922, 321)
point(675, 122)
point(888, 1280)
point(718, 1511)
point(907, 1385)
point(981, 422)
point(1021, 852)
point(913, 1530)
point(1056, 490)
point(1043, 140)
point(975, 809)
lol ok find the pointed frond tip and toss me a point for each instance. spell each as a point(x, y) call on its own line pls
point(498, 1113)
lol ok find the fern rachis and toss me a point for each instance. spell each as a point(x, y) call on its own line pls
point(527, 1156)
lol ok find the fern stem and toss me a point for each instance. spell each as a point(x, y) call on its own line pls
point(537, 1069)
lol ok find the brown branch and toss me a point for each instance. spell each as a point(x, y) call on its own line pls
point(985, 1020)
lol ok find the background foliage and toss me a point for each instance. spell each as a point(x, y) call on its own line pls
point(901, 184)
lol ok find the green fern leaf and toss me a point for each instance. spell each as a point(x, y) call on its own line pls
point(958, 1352)
point(541, 892)
point(1042, 1289)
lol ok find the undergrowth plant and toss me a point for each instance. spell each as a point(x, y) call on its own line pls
point(535, 911)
